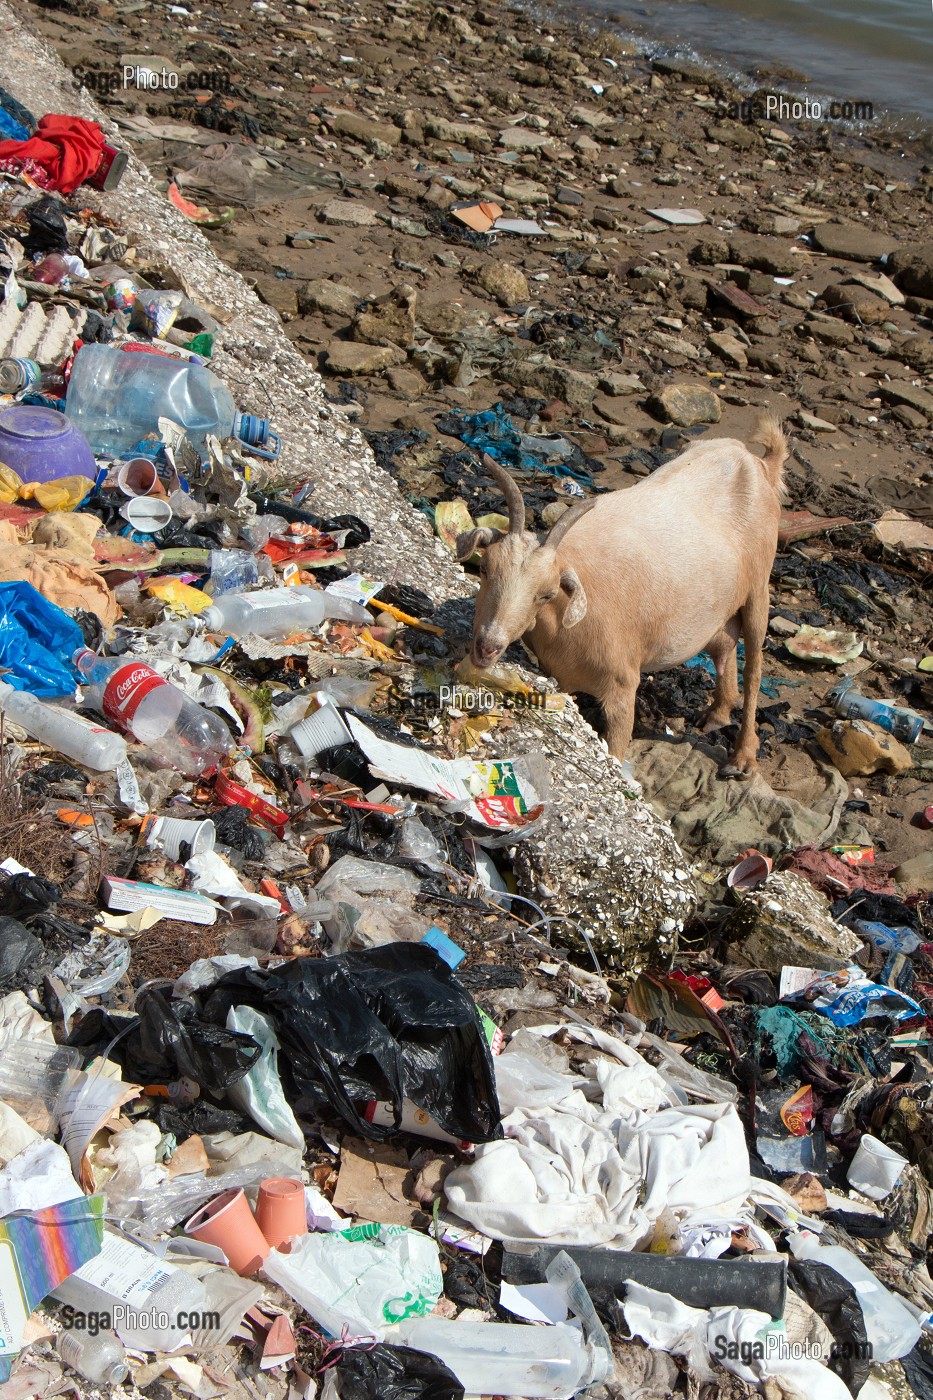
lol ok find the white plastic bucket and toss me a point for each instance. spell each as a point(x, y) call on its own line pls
point(876, 1168)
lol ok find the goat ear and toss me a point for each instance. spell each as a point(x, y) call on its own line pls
point(575, 610)
point(471, 540)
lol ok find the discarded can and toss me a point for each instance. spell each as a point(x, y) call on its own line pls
point(18, 374)
point(851, 705)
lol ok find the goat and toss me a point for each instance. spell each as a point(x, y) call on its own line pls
point(642, 579)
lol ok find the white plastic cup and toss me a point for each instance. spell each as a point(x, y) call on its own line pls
point(876, 1168)
point(322, 730)
point(170, 833)
point(138, 477)
point(147, 513)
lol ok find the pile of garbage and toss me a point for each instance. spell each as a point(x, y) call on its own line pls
point(301, 1091)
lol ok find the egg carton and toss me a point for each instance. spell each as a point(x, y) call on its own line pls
point(38, 335)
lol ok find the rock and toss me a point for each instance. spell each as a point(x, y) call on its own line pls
point(787, 921)
point(916, 875)
point(475, 138)
point(526, 192)
point(896, 393)
point(365, 130)
point(742, 303)
point(503, 281)
point(403, 187)
point(816, 425)
point(553, 511)
point(830, 332)
point(852, 241)
point(765, 360)
point(565, 195)
point(352, 357)
point(520, 138)
point(686, 405)
point(764, 254)
point(880, 285)
point(347, 213)
point(280, 293)
point(733, 135)
point(912, 268)
point(855, 304)
point(614, 410)
point(708, 251)
point(438, 196)
point(554, 380)
point(807, 1190)
point(620, 384)
point(858, 748)
point(728, 348)
point(330, 297)
point(406, 380)
point(388, 321)
point(783, 627)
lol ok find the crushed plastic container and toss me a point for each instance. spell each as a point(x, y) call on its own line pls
point(893, 1329)
point(503, 1358)
point(69, 734)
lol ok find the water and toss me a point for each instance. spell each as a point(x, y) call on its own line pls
point(876, 51)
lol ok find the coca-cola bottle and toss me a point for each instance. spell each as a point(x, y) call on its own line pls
point(177, 731)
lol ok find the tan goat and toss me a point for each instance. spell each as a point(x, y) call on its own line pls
point(641, 580)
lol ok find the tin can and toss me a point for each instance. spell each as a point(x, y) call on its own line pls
point(18, 374)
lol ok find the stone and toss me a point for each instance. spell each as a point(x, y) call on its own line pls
point(808, 1192)
point(686, 405)
point(503, 281)
point(858, 748)
point(565, 195)
point(553, 511)
point(856, 304)
point(853, 241)
point(916, 874)
point(733, 135)
point(830, 332)
point(475, 138)
point(763, 254)
point(347, 213)
point(403, 187)
point(367, 131)
point(708, 251)
point(728, 348)
point(554, 380)
point(332, 298)
point(765, 360)
point(520, 138)
point(786, 921)
point(742, 303)
point(280, 293)
point(619, 384)
point(783, 627)
point(438, 196)
point(388, 321)
point(816, 425)
point(912, 268)
point(525, 192)
point(349, 357)
point(406, 380)
point(880, 285)
point(613, 410)
point(919, 399)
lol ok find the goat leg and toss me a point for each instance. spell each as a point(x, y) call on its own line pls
point(754, 627)
point(722, 649)
point(618, 702)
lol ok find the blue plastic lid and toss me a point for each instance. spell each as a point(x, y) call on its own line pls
point(444, 947)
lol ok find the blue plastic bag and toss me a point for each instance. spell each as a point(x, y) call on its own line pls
point(37, 642)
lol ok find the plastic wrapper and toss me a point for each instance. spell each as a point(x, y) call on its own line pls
point(179, 1197)
point(32, 1075)
point(37, 642)
point(169, 1041)
point(154, 312)
point(390, 1373)
point(388, 1024)
point(362, 1280)
point(685, 1078)
point(847, 997)
point(259, 1093)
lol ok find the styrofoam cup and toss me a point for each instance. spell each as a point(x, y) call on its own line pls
point(138, 477)
point(322, 730)
point(170, 833)
point(876, 1168)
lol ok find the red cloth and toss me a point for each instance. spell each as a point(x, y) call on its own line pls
point(66, 150)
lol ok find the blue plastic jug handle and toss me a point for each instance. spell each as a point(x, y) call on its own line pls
point(269, 454)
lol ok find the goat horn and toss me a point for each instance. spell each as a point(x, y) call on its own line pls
point(513, 496)
point(569, 518)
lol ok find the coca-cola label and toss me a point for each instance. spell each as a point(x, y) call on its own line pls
point(126, 690)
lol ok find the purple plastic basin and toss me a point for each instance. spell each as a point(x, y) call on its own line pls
point(41, 444)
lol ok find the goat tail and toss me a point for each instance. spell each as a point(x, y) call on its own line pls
point(769, 432)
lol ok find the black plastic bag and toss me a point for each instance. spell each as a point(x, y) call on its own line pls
point(836, 1301)
point(18, 948)
point(918, 1368)
point(390, 1023)
point(394, 1373)
point(170, 1041)
point(47, 230)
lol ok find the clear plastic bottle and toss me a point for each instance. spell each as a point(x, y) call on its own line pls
point(278, 612)
point(69, 734)
point(893, 1329)
point(101, 1358)
point(17, 375)
point(176, 730)
point(116, 399)
point(503, 1358)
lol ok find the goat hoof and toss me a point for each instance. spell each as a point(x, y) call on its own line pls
point(739, 768)
point(714, 721)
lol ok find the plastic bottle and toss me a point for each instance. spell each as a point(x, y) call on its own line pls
point(893, 1329)
point(176, 730)
point(69, 734)
point(493, 1358)
point(101, 1358)
point(117, 398)
point(146, 1296)
point(850, 704)
point(278, 612)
